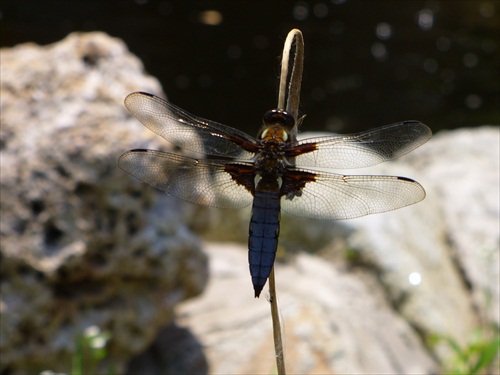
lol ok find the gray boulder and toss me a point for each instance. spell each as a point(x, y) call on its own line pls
point(82, 243)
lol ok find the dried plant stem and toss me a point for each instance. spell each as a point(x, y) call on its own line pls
point(289, 93)
point(278, 342)
point(291, 80)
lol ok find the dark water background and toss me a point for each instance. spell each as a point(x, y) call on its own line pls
point(367, 63)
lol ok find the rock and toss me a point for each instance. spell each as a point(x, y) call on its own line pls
point(82, 243)
point(463, 169)
point(439, 260)
point(333, 321)
point(450, 240)
point(452, 236)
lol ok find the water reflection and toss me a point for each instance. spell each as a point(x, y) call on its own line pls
point(426, 19)
point(430, 65)
point(320, 10)
point(182, 81)
point(488, 45)
point(443, 43)
point(379, 51)
point(234, 52)
point(470, 60)
point(487, 9)
point(205, 81)
point(210, 17)
point(383, 31)
point(473, 101)
point(300, 11)
point(260, 41)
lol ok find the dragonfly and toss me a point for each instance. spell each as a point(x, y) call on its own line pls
point(274, 172)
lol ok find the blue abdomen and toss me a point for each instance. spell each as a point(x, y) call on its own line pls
point(263, 237)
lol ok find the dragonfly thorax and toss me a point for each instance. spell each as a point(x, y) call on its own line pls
point(271, 159)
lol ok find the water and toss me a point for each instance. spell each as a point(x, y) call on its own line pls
point(368, 63)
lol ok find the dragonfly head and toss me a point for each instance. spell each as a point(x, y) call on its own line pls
point(278, 117)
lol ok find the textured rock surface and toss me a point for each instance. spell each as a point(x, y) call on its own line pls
point(334, 321)
point(451, 239)
point(82, 244)
point(466, 180)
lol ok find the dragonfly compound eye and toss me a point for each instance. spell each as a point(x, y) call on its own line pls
point(279, 117)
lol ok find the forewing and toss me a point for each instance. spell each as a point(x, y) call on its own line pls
point(186, 130)
point(362, 149)
point(203, 182)
point(336, 196)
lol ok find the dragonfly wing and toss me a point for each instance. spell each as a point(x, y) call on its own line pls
point(188, 131)
point(336, 196)
point(362, 149)
point(204, 182)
